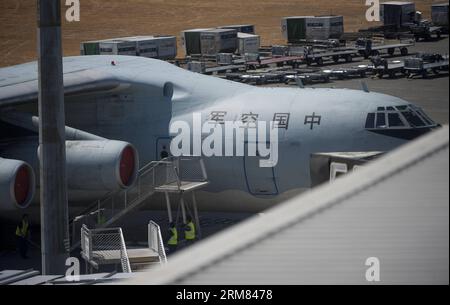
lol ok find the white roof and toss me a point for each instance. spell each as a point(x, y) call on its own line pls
point(395, 209)
point(198, 30)
point(397, 3)
point(440, 4)
point(245, 35)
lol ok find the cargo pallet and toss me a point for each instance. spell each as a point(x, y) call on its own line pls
point(346, 73)
point(425, 68)
point(367, 49)
point(335, 55)
point(391, 69)
point(279, 61)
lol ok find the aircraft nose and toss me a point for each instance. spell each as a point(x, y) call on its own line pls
point(402, 121)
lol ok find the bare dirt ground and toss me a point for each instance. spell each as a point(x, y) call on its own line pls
point(114, 18)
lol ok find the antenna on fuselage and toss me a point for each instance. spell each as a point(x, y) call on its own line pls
point(364, 86)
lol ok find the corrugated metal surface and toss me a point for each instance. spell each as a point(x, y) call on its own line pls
point(395, 209)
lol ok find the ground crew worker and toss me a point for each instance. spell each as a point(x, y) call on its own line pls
point(173, 240)
point(189, 231)
point(22, 235)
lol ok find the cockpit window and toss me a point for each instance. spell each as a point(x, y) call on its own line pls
point(370, 121)
point(381, 120)
point(413, 119)
point(395, 120)
point(398, 117)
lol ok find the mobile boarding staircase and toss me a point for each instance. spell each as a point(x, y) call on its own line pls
point(172, 175)
point(107, 247)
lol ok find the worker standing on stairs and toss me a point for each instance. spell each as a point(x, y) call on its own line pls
point(173, 240)
point(189, 231)
point(22, 236)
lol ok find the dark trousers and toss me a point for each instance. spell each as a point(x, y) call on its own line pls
point(189, 242)
point(22, 246)
point(172, 248)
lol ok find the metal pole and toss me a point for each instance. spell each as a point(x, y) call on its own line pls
point(169, 208)
point(52, 149)
point(197, 219)
point(183, 210)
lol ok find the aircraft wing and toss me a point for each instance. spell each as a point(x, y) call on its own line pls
point(19, 84)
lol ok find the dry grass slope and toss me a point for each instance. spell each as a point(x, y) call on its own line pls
point(112, 18)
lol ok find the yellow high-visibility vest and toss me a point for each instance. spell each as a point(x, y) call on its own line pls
point(190, 234)
point(173, 241)
point(22, 231)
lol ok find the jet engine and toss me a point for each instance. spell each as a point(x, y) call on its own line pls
point(101, 165)
point(17, 184)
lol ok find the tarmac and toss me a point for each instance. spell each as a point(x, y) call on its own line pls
point(432, 94)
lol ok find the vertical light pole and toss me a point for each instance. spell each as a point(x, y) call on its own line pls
point(52, 149)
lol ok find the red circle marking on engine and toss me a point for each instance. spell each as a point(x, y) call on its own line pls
point(22, 185)
point(127, 165)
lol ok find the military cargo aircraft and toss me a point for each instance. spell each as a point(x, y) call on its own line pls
point(119, 110)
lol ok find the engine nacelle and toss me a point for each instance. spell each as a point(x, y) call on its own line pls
point(17, 184)
point(101, 165)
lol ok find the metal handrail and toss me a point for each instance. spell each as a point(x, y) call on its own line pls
point(159, 246)
point(129, 202)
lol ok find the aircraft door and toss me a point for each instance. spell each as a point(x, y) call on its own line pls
point(163, 148)
point(261, 181)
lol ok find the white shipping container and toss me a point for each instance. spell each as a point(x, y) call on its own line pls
point(218, 41)
point(224, 58)
point(322, 28)
point(117, 47)
point(248, 43)
point(145, 45)
point(195, 66)
point(439, 14)
point(167, 46)
point(312, 28)
point(397, 12)
point(190, 40)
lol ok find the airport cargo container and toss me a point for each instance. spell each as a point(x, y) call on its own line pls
point(167, 46)
point(90, 48)
point(312, 27)
point(195, 66)
point(218, 41)
point(159, 46)
point(241, 28)
point(117, 47)
point(396, 13)
point(190, 40)
point(439, 14)
point(224, 58)
point(248, 43)
point(145, 45)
